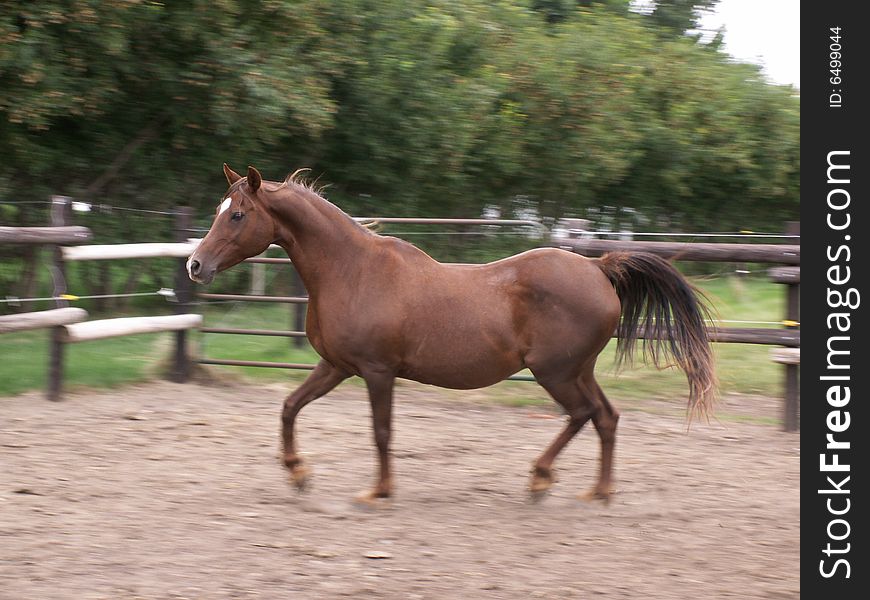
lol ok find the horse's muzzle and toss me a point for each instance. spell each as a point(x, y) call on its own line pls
point(198, 272)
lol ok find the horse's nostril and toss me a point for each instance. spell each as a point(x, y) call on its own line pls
point(195, 267)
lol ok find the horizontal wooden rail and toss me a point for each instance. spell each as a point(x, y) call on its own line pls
point(106, 328)
point(41, 319)
point(786, 254)
point(786, 356)
point(145, 250)
point(255, 298)
point(435, 221)
point(44, 235)
point(785, 274)
point(737, 335)
point(269, 260)
point(267, 332)
point(254, 363)
point(120, 251)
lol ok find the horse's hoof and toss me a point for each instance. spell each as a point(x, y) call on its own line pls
point(372, 499)
point(596, 494)
point(539, 487)
point(542, 480)
point(300, 476)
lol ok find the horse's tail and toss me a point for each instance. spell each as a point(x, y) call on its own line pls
point(661, 306)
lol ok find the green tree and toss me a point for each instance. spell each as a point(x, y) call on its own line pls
point(417, 107)
point(676, 17)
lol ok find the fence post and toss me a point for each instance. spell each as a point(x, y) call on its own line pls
point(298, 289)
point(792, 372)
point(258, 279)
point(60, 216)
point(180, 371)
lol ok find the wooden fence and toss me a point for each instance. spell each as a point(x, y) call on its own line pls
point(69, 325)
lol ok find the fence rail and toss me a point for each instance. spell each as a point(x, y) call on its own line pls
point(121, 251)
point(785, 274)
point(427, 221)
point(264, 332)
point(786, 254)
point(44, 235)
point(41, 319)
point(255, 363)
point(254, 298)
point(106, 328)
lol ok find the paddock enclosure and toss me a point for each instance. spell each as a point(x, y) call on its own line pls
point(169, 490)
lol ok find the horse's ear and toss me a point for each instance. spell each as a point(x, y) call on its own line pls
point(254, 179)
point(231, 175)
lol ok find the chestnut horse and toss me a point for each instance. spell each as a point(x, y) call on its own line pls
point(380, 308)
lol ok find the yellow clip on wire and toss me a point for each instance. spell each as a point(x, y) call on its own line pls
point(788, 323)
point(69, 297)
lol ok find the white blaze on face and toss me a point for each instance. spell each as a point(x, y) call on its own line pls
point(225, 205)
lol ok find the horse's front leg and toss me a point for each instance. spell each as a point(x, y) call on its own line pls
point(380, 388)
point(322, 380)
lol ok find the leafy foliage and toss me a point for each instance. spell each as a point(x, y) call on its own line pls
point(548, 108)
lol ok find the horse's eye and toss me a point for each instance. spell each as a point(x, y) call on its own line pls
point(236, 216)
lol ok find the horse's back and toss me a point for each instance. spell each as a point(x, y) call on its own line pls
point(563, 297)
point(549, 278)
point(499, 317)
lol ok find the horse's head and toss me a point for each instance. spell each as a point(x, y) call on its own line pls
point(242, 228)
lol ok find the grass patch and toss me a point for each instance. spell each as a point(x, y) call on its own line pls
point(101, 363)
point(749, 419)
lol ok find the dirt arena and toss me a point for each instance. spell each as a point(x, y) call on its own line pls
point(175, 491)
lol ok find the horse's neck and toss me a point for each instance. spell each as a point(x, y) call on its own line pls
point(318, 237)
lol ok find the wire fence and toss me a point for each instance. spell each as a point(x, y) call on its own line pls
point(84, 207)
point(168, 293)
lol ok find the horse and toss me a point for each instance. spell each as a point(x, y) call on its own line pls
point(380, 308)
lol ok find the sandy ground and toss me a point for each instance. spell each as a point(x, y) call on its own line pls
point(174, 491)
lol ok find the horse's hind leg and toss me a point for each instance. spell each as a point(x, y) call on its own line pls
point(580, 404)
point(380, 387)
point(605, 419)
point(322, 380)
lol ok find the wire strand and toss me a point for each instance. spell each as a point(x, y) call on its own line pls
point(677, 234)
point(138, 210)
point(168, 293)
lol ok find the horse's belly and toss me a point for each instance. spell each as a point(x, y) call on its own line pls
point(458, 379)
point(460, 363)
